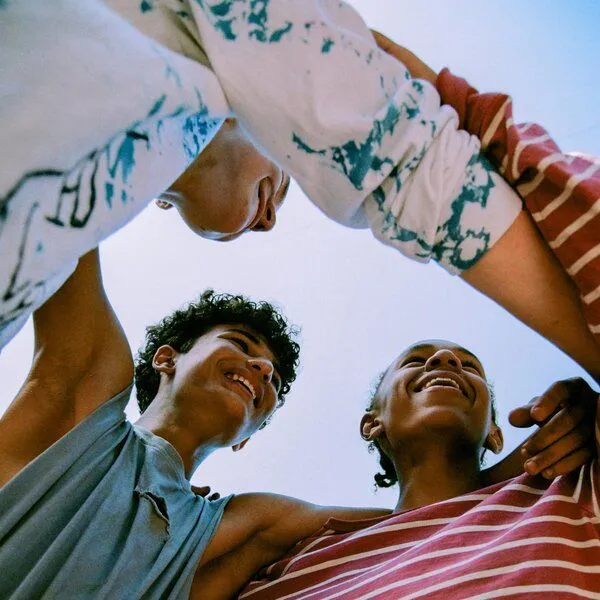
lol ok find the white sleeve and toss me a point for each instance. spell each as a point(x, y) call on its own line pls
point(369, 145)
point(96, 119)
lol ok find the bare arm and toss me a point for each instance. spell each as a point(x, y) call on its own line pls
point(256, 530)
point(81, 359)
point(523, 276)
point(520, 272)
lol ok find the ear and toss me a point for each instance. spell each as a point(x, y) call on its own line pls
point(164, 360)
point(494, 440)
point(163, 204)
point(371, 427)
point(238, 447)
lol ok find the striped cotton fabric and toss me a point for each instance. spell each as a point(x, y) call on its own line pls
point(561, 191)
point(519, 539)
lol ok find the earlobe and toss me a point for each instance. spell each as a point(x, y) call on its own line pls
point(240, 446)
point(495, 439)
point(164, 359)
point(371, 427)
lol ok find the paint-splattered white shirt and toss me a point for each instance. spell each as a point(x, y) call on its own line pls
point(104, 104)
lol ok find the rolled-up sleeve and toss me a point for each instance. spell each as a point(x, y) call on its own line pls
point(370, 146)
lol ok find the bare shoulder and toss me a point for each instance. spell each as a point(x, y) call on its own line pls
point(250, 516)
point(256, 530)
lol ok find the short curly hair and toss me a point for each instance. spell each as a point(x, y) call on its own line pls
point(183, 327)
point(389, 477)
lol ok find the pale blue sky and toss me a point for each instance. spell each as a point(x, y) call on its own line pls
point(359, 303)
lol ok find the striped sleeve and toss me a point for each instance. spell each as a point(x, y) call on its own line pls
point(561, 191)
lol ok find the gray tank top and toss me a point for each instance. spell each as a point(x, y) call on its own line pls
point(104, 513)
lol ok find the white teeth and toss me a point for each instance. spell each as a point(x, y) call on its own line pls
point(441, 381)
point(245, 383)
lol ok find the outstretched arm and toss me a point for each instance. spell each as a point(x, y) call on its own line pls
point(520, 272)
point(81, 359)
point(256, 530)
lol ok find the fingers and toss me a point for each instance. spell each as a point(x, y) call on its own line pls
point(569, 463)
point(521, 416)
point(383, 41)
point(558, 395)
point(559, 454)
point(554, 397)
point(561, 424)
point(204, 491)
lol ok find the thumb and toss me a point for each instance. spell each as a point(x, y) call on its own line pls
point(521, 417)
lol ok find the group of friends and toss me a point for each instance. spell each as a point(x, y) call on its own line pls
point(161, 99)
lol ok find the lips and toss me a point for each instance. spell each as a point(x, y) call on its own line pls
point(264, 197)
point(244, 384)
point(443, 379)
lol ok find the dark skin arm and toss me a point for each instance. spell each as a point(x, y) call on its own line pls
point(256, 530)
point(520, 272)
point(81, 359)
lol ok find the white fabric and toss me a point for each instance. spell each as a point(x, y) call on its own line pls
point(95, 107)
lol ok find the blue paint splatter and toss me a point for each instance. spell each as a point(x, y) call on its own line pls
point(157, 105)
point(223, 19)
point(463, 248)
point(279, 33)
point(125, 155)
point(327, 45)
point(196, 130)
point(305, 147)
point(146, 6)
point(357, 158)
point(221, 10)
point(40, 247)
point(109, 191)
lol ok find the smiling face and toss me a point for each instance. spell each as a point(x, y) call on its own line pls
point(230, 188)
point(434, 387)
point(225, 387)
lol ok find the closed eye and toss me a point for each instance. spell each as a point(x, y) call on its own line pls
point(471, 365)
point(412, 361)
point(241, 343)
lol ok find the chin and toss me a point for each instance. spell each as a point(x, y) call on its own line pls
point(448, 418)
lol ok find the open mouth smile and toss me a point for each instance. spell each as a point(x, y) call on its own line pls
point(243, 382)
point(443, 381)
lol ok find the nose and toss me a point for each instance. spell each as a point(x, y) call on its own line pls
point(443, 358)
point(268, 218)
point(264, 367)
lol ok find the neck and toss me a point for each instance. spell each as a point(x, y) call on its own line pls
point(429, 473)
point(163, 420)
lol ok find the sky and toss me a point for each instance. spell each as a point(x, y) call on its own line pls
point(359, 303)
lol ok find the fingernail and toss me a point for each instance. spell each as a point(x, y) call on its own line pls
point(548, 473)
point(525, 451)
point(531, 467)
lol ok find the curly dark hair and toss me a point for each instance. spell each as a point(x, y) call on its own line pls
point(183, 327)
point(389, 477)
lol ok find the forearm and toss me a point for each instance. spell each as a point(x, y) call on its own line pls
point(523, 276)
point(389, 158)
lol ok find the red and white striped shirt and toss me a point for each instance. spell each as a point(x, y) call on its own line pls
point(522, 537)
point(561, 191)
point(516, 539)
